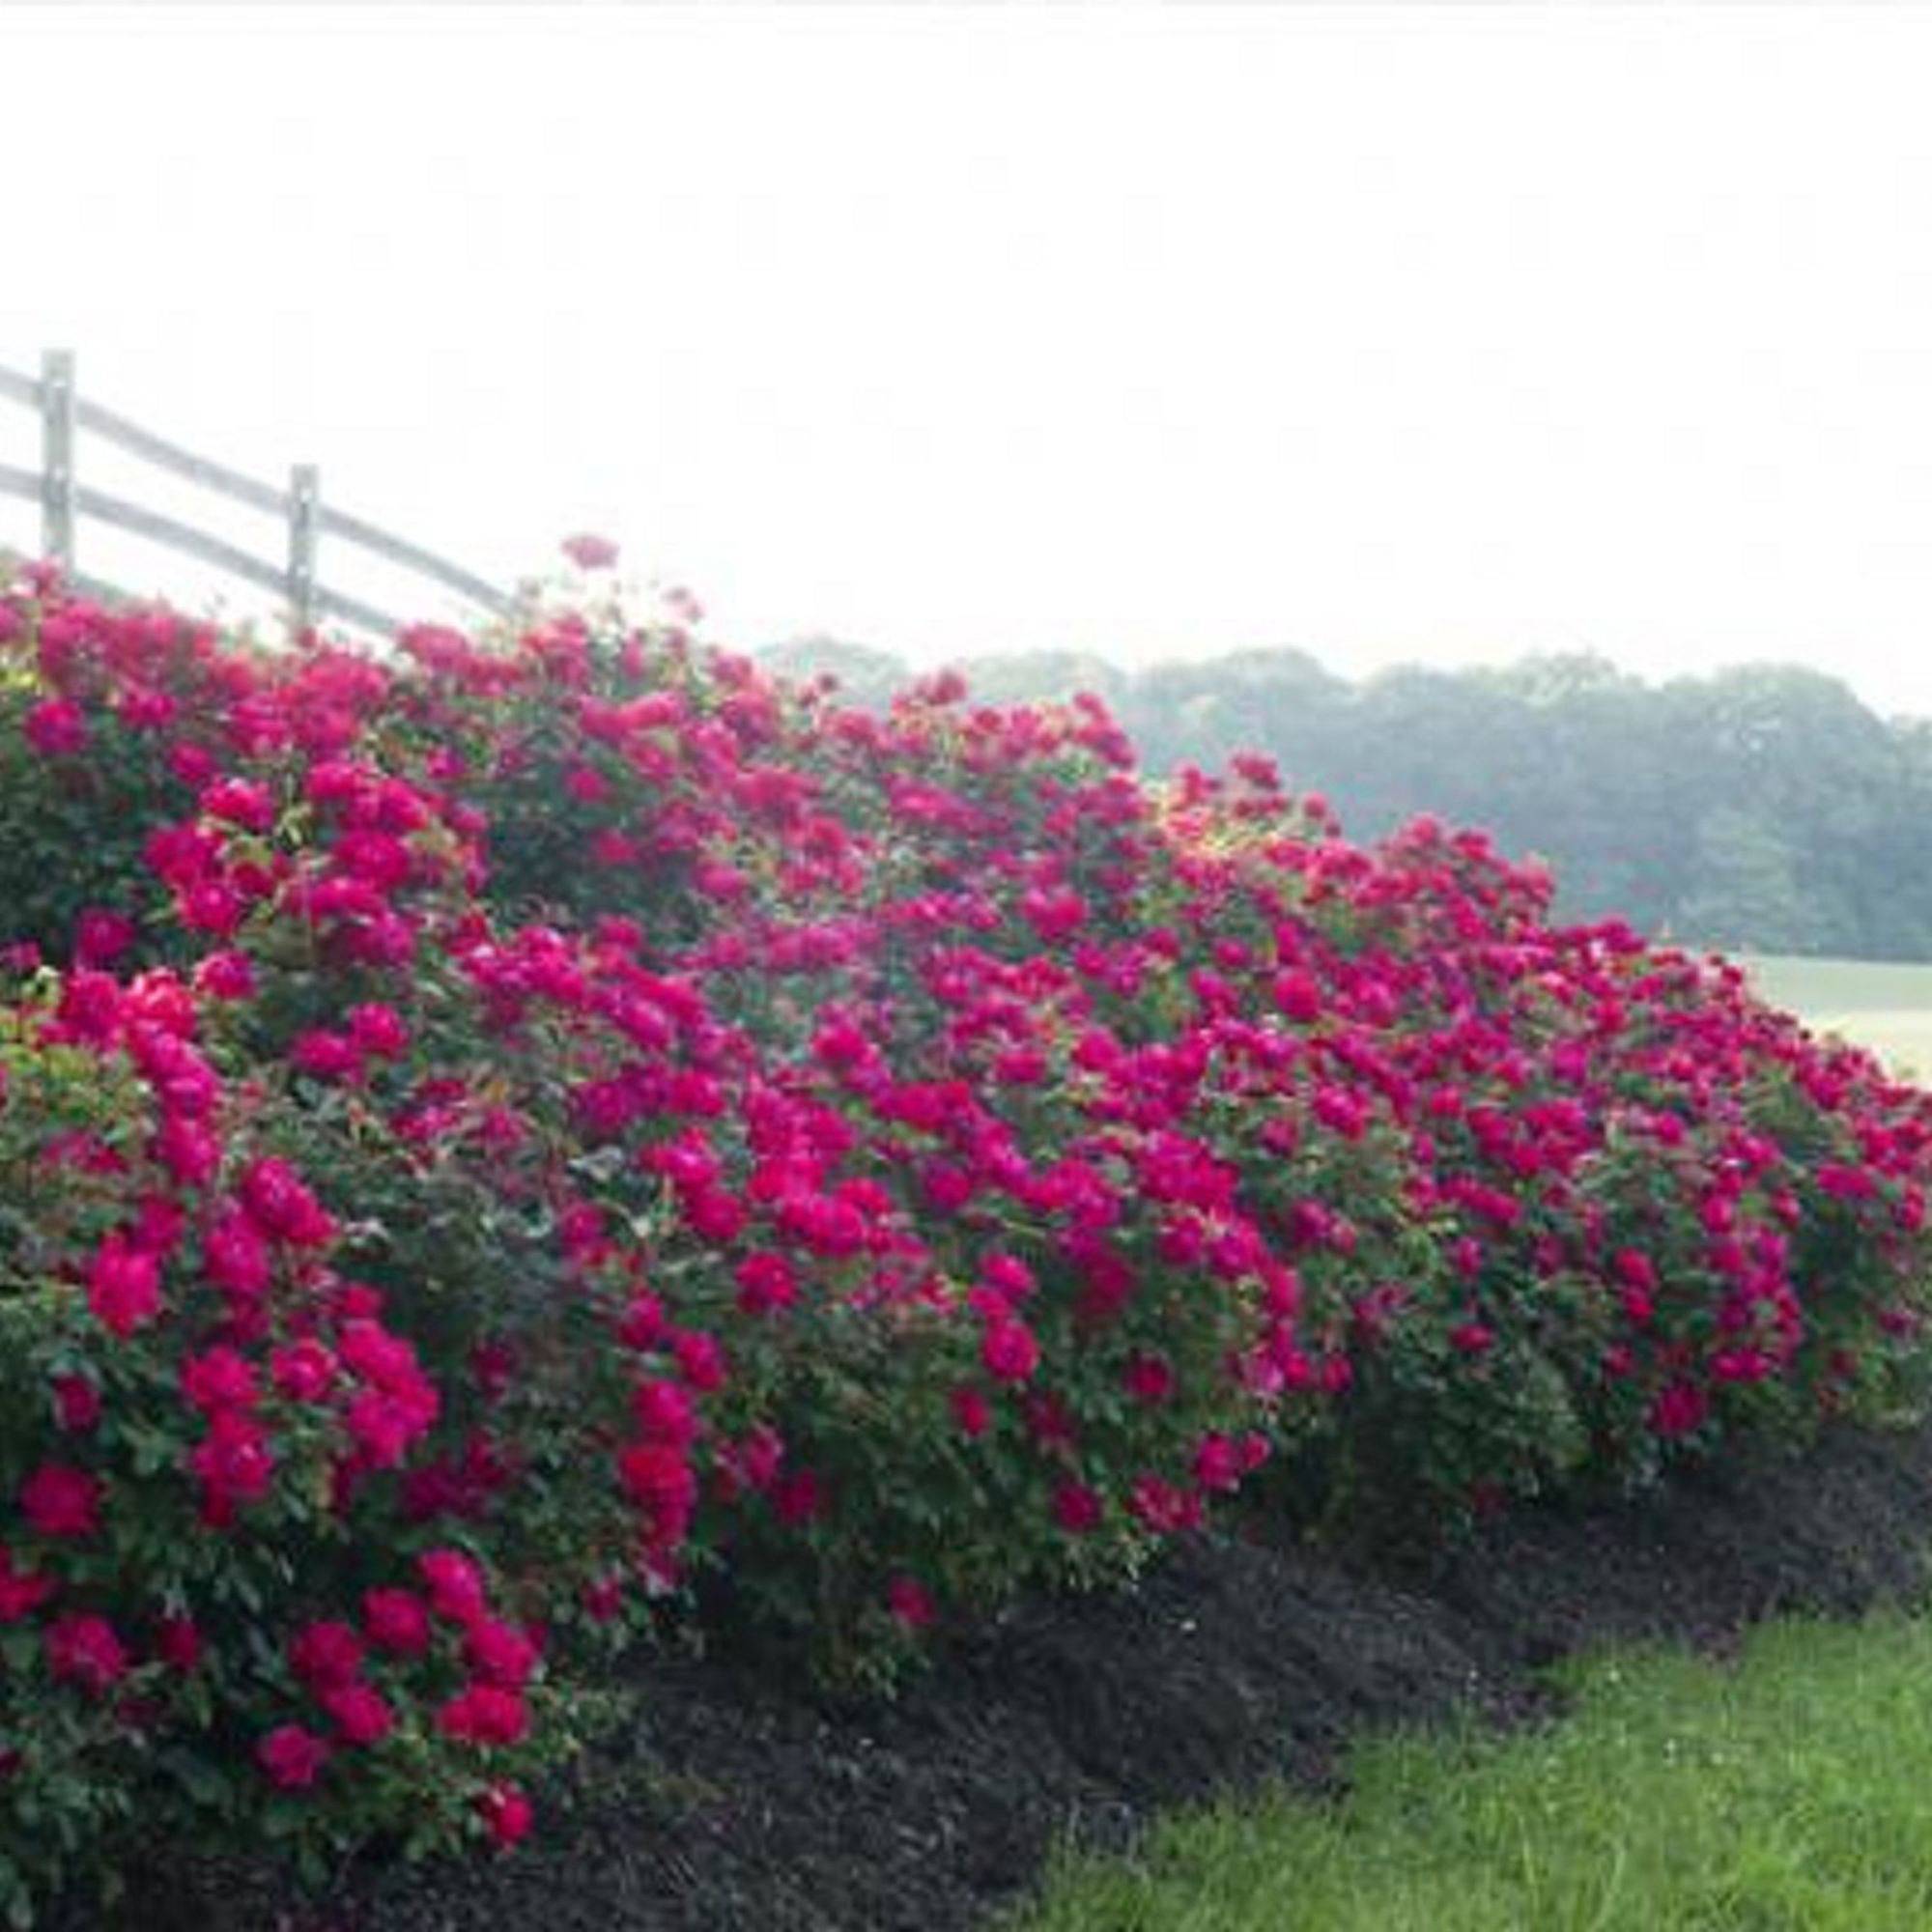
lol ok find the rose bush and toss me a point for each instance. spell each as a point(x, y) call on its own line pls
point(212, 1604)
point(515, 1142)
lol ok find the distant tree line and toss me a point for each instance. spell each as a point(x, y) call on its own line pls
point(1763, 808)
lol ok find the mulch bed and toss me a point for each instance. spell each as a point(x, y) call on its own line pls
point(737, 1802)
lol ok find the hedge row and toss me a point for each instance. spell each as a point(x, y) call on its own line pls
point(512, 1147)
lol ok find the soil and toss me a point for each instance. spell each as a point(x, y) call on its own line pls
point(737, 1802)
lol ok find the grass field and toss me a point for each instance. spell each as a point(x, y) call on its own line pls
point(1881, 1006)
point(1792, 1791)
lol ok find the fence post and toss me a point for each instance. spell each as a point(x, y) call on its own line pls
point(57, 455)
point(304, 502)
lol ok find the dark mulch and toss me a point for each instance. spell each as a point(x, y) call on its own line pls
point(740, 1802)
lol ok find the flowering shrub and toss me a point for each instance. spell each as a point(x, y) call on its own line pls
point(209, 1596)
point(547, 1133)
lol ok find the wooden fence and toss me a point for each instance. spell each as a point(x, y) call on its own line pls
point(64, 501)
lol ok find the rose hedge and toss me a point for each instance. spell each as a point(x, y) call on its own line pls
point(554, 1135)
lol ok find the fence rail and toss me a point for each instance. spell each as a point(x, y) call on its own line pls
point(305, 517)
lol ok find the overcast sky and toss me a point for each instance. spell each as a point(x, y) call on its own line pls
point(1431, 334)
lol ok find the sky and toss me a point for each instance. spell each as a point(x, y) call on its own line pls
point(1433, 334)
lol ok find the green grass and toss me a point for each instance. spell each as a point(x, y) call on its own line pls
point(1793, 1790)
point(1879, 1005)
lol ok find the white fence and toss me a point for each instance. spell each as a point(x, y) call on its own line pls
point(64, 502)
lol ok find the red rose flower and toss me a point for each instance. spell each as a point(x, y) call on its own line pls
point(124, 1287)
point(1076, 1508)
point(178, 1643)
point(56, 729)
point(590, 553)
point(397, 1621)
point(910, 1601)
point(325, 1655)
point(505, 1812)
point(500, 1654)
point(1009, 1351)
point(59, 1501)
point(485, 1714)
point(21, 1592)
point(76, 1402)
point(84, 1650)
point(291, 1756)
point(455, 1584)
point(359, 1712)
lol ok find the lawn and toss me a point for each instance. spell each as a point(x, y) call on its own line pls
point(1791, 1790)
point(1880, 1004)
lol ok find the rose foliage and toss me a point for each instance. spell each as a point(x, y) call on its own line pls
point(554, 1139)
